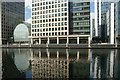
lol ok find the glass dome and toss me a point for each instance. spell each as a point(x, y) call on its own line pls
point(21, 33)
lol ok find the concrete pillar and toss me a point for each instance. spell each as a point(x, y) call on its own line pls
point(77, 40)
point(89, 41)
point(57, 40)
point(67, 40)
point(39, 40)
point(31, 41)
point(48, 41)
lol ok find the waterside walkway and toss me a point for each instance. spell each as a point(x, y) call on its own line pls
point(72, 46)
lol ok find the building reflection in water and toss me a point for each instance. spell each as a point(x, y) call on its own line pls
point(53, 63)
point(0, 63)
point(15, 63)
point(105, 64)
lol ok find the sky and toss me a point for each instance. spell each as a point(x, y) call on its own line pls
point(28, 10)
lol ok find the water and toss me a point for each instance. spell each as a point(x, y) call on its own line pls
point(59, 63)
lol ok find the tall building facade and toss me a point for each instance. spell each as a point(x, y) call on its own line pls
point(110, 19)
point(80, 17)
point(117, 21)
point(59, 19)
point(113, 21)
point(11, 13)
point(101, 7)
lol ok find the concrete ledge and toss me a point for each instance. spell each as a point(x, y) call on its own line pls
point(72, 46)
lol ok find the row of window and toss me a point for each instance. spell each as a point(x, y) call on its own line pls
point(81, 28)
point(49, 29)
point(51, 24)
point(81, 23)
point(80, 9)
point(81, 18)
point(49, 34)
point(49, 20)
point(50, 15)
point(49, 6)
point(49, 2)
point(49, 10)
point(79, 4)
point(80, 13)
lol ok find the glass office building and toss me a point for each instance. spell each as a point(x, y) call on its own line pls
point(100, 17)
point(11, 14)
point(117, 21)
point(80, 18)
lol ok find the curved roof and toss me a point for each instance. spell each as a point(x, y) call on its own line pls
point(21, 33)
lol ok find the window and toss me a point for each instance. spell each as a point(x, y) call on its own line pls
point(65, 28)
point(52, 6)
point(52, 29)
point(58, 14)
point(58, 24)
point(52, 24)
point(58, 33)
point(58, 19)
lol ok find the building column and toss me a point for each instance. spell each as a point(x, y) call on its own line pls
point(31, 41)
point(39, 40)
point(77, 40)
point(48, 41)
point(57, 40)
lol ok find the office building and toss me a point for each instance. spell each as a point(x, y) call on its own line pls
point(11, 13)
point(117, 22)
point(111, 24)
point(60, 21)
point(101, 7)
point(113, 29)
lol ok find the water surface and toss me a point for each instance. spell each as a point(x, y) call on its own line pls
point(59, 63)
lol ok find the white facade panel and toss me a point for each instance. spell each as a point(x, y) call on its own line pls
point(112, 29)
point(96, 17)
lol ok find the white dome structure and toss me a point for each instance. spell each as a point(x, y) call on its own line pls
point(21, 33)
